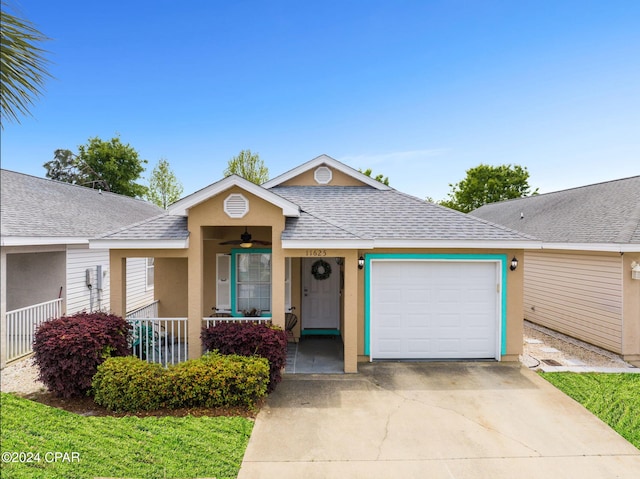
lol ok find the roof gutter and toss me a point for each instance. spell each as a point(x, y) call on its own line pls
point(138, 244)
point(607, 247)
point(41, 240)
point(405, 244)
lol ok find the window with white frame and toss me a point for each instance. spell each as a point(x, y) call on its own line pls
point(150, 272)
point(253, 282)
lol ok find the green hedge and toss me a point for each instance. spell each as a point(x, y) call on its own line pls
point(218, 380)
point(131, 384)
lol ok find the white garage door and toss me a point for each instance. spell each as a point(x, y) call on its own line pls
point(434, 310)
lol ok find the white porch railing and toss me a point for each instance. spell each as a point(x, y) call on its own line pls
point(159, 340)
point(148, 311)
point(165, 340)
point(212, 321)
point(22, 324)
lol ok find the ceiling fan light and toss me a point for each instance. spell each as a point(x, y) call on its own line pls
point(246, 245)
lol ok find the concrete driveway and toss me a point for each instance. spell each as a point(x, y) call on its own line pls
point(432, 420)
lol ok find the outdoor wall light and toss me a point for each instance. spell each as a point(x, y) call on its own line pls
point(514, 264)
point(360, 262)
point(635, 270)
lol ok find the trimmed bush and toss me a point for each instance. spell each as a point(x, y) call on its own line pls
point(217, 380)
point(249, 339)
point(129, 384)
point(69, 349)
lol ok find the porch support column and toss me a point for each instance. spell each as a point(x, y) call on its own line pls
point(3, 309)
point(118, 283)
point(350, 333)
point(277, 279)
point(195, 268)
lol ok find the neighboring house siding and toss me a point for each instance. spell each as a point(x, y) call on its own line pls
point(138, 294)
point(576, 294)
point(36, 277)
point(79, 296)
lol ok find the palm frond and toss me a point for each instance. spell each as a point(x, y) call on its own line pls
point(23, 66)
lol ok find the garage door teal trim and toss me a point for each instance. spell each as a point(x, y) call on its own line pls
point(500, 258)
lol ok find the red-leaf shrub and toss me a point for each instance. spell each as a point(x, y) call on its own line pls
point(249, 339)
point(69, 349)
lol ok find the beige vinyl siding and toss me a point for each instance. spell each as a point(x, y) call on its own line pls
point(138, 294)
point(79, 296)
point(576, 294)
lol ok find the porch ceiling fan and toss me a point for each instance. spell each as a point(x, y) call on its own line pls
point(245, 240)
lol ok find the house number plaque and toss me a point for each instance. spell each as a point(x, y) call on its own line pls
point(318, 253)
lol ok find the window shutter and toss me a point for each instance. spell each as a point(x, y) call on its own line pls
point(223, 282)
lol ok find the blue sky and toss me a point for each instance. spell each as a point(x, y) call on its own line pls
point(420, 91)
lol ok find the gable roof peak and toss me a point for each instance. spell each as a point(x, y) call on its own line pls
point(181, 206)
point(328, 161)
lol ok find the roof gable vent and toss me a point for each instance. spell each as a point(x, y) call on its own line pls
point(323, 175)
point(236, 206)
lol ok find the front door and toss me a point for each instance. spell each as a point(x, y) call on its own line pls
point(320, 294)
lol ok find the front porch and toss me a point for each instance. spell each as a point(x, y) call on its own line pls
point(232, 282)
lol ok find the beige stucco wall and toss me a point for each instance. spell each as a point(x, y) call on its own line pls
point(171, 287)
point(338, 179)
point(117, 284)
point(208, 226)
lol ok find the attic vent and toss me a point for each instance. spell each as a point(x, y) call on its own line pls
point(323, 175)
point(236, 206)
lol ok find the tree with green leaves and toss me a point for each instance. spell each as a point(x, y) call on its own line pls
point(488, 184)
point(164, 186)
point(249, 166)
point(381, 178)
point(108, 165)
point(23, 66)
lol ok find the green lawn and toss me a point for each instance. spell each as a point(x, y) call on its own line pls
point(149, 447)
point(614, 398)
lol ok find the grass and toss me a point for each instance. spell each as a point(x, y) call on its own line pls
point(149, 447)
point(614, 398)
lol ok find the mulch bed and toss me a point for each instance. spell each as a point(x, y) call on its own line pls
point(86, 406)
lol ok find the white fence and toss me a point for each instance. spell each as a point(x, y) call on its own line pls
point(22, 324)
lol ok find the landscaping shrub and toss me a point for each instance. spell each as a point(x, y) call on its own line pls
point(69, 349)
point(214, 380)
point(249, 339)
point(129, 384)
point(217, 380)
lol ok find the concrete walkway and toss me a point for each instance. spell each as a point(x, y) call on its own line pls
point(432, 420)
point(315, 355)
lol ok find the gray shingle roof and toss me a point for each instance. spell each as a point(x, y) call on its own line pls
point(38, 207)
point(348, 213)
point(366, 213)
point(601, 213)
point(162, 227)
